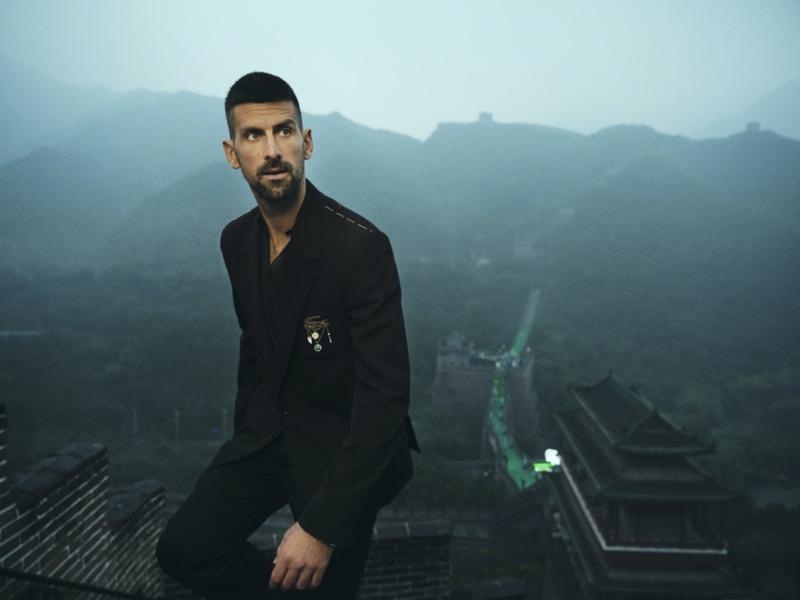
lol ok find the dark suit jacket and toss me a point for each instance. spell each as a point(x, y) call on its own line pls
point(342, 407)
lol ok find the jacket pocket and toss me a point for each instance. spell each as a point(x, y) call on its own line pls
point(324, 331)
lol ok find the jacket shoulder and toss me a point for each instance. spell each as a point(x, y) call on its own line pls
point(342, 217)
point(343, 226)
point(238, 226)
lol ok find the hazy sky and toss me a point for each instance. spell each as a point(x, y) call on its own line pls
point(579, 64)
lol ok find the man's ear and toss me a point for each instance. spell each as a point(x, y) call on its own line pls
point(230, 153)
point(308, 144)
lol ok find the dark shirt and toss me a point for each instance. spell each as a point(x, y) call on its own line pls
point(271, 277)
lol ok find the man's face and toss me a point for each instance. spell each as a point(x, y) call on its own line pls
point(270, 149)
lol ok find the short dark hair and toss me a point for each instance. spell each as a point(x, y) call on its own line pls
point(259, 87)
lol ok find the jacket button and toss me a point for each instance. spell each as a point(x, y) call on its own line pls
point(285, 410)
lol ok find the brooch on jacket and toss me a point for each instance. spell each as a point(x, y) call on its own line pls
point(315, 328)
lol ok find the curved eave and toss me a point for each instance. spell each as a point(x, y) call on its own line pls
point(611, 494)
point(693, 450)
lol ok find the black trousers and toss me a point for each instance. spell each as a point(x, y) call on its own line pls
point(204, 545)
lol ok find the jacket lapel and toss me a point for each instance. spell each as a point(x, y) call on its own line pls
point(298, 277)
point(248, 264)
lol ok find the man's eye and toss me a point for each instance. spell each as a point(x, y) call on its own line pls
point(252, 135)
point(285, 131)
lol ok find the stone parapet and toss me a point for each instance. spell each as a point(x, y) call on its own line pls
point(59, 519)
point(409, 560)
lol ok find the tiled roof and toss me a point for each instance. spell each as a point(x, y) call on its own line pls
point(631, 424)
point(629, 451)
point(615, 474)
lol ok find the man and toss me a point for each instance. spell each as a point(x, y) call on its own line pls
point(321, 407)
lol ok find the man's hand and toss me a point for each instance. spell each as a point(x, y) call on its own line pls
point(300, 561)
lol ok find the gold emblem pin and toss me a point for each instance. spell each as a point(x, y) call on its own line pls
point(315, 327)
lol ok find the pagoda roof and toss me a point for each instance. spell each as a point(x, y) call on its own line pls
point(631, 424)
point(630, 452)
point(623, 476)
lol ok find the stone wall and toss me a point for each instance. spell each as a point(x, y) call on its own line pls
point(59, 519)
point(461, 373)
point(499, 589)
point(408, 561)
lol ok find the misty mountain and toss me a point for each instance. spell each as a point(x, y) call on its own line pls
point(147, 160)
point(178, 228)
point(62, 199)
point(778, 111)
point(482, 173)
point(37, 108)
point(156, 138)
point(57, 205)
point(677, 264)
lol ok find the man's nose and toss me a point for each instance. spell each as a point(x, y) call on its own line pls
point(271, 147)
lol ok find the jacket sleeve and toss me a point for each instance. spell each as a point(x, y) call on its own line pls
point(371, 295)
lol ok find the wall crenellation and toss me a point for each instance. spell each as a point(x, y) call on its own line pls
point(60, 519)
point(409, 560)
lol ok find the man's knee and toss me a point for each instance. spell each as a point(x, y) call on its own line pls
point(180, 553)
point(170, 553)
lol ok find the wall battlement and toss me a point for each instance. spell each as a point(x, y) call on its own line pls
point(60, 519)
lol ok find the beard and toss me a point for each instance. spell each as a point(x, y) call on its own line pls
point(276, 198)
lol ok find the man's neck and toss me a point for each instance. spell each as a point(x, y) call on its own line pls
point(281, 225)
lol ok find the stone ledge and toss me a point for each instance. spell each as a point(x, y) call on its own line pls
point(498, 589)
point(37, 482)
point(125, 503)
point(411, 529)
point(383, 532)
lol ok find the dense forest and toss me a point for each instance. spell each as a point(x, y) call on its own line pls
point(672, 262)
point(146, 364)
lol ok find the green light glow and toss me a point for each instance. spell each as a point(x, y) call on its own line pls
point(521, 470)
point(513, 460)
